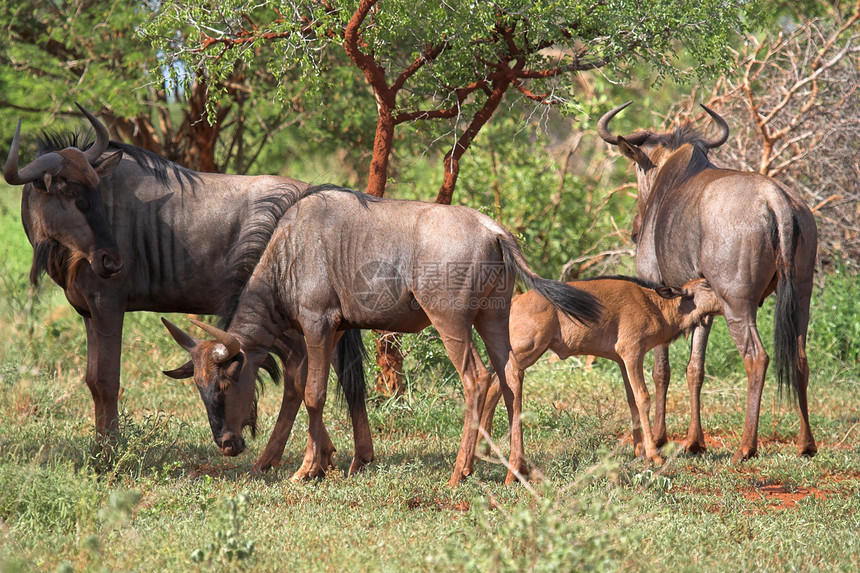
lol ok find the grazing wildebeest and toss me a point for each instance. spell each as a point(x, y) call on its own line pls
point(636, 317)
point(383, 264)
point(159, 237)
point(749, 236)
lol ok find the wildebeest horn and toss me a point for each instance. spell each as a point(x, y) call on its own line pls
point(102, 137)
point(50, 162)
point(606, 135)
point(182, 338)
point(225, 338)
point(721, 123)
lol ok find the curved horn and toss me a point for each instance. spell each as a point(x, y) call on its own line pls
point(721, 123)
point(228, 340)
point(603, 122)
point(49, 162)
point(102, 137)
point(606, 135)
point(182, 338)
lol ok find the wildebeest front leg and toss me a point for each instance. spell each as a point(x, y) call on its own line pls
point(104, 347)
point(295, 373)
point(319, 347)
point(695, 442)
point(661, 375)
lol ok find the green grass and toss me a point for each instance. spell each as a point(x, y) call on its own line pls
point(171, 503)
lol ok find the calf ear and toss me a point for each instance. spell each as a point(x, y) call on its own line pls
point(184, 371)
point(668, 292)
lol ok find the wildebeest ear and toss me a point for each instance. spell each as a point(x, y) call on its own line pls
point(668, 292)
point(106, 166)
point(184, 371)
point(634, 153)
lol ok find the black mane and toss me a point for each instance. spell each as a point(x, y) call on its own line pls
point(151, 163)
point(635, 280)
point(249, 248)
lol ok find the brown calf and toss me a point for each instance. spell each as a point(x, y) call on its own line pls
point(636, 318)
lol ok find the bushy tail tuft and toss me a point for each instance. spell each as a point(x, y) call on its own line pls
point(577, 304)
point(785, 323)
point(350, 354)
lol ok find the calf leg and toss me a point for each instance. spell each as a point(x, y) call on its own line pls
point(661, 387)
point(524, 360)
point(635, 422)
point(634, 367)
point(695, 442)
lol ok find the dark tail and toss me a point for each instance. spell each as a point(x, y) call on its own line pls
point(577, 304)
point(785, 322)
point(350, 354)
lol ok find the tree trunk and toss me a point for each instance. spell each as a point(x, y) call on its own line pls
point(389, 358)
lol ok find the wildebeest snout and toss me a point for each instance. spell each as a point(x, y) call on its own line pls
point(231, 444)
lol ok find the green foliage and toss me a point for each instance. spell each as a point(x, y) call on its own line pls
point(229, 545)
point(58, 52)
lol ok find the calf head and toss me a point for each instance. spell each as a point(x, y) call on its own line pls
point(697, 301)
point(67, 206)
point(225, 379)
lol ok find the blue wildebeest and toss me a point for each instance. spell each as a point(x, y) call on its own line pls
point(158, 237)
point(389, 265)
point(636, 317)
point(749, 236)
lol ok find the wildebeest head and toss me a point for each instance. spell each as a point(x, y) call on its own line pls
point(67, 206)
point(652, 151)
point(225, 379)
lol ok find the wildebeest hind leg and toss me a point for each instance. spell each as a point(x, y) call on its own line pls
point(742, 327)
point(805, 442)
point(492, 325)
point(476, 381)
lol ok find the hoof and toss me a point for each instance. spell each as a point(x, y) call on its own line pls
point(744, 454)
point(656, 460)
point(808, 451)
point(694, 447)
point(358, 464)
point(307, 474)
point(660, 441)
